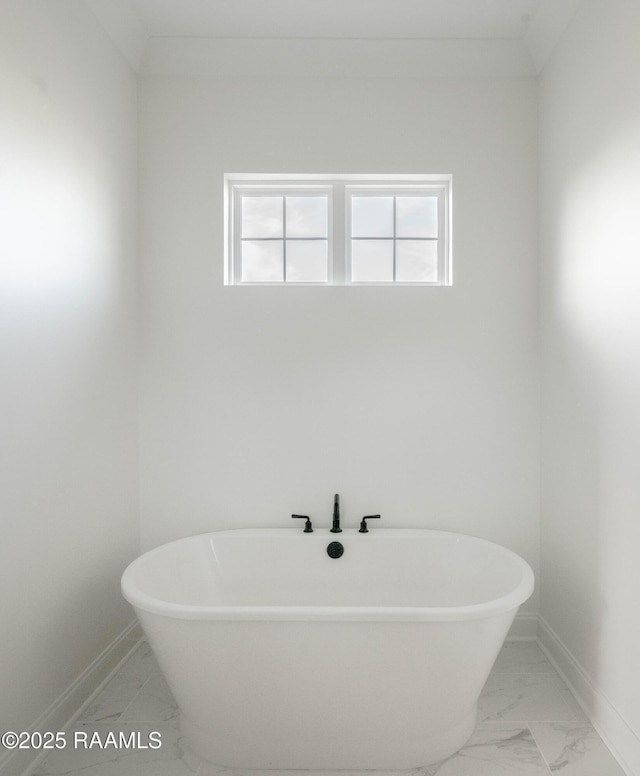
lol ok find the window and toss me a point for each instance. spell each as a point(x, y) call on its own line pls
point(338, 230)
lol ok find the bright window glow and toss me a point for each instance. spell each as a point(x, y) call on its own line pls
point(338, 230)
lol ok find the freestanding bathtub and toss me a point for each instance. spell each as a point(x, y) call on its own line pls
point(282, 657)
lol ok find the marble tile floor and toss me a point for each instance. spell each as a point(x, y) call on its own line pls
point(528, 725)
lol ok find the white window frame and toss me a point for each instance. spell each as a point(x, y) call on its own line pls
point(338, 189)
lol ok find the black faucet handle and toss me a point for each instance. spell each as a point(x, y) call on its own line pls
point(307, 526)
point(363, 523)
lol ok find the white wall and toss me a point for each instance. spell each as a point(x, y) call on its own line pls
point(68, 498)
point(418, 403)
point(590, 249)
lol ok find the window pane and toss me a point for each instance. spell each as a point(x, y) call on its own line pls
point(262, 261)
point(307, 216)
point(371, 261)
point(417, 261)
point(416, 216)
point(262, 217)
point(307, 261)
point(372, 216)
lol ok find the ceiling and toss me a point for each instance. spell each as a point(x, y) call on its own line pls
point(336, 18)
point(514, 36)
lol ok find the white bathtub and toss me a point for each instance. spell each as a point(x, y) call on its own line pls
point(283, 658)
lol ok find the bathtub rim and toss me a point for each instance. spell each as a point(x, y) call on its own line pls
point(497, 606)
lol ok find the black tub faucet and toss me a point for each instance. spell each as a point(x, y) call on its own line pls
point(307, 526)
point(363, 523)
point(336, 515)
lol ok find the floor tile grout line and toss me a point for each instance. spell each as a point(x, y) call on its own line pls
point(527, 673)
point(133, 675)
point(498, 672)
point(128, 723)
point(128, 706)
point(128, 679)
point(153, 671)
point(539, 748)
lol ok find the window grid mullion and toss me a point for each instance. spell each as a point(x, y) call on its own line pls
point(339, 236)
point(284, 239)
point(394, 239)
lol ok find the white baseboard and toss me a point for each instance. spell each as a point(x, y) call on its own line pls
point(66, 708)
point(603, 715)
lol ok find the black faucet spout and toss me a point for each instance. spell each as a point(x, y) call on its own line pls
point(336, 515)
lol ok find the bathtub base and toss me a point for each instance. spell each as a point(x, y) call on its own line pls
point(328, 758)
